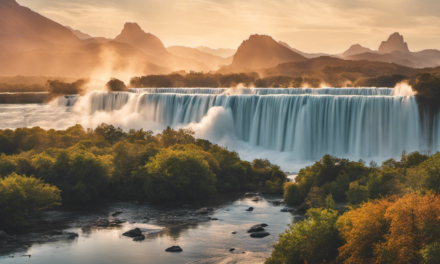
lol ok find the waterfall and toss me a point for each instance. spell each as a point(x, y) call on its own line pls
point(355, 123)
point(268, 91)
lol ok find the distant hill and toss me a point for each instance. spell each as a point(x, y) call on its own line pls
point(307, 55)
point(394, 50)
point(150, 44)
point(390, 58)
point(23, 28)
point(261, 51)
point(79, 34)
point(213, 62)
point(224, 53)
point(394, 43)
point(356, 49)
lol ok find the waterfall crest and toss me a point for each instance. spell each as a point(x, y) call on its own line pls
point(371, 123)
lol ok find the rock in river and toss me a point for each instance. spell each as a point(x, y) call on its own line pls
point(139, 238)
point(174, 249)
point(287, 210)
point(255, 228)
point(116, 213)
point(260, 234)
point(133, 233)
point(250, 209)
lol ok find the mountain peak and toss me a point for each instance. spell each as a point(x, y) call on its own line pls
point(132, 27)
point(355, 49)
point(395, 42)
point(261, 51)
point(9, 2)
point(135, 36)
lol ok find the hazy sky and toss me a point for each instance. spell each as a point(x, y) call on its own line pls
point(309, 25)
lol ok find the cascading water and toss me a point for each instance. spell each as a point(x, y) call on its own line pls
point(302, 123)
point(267, 91)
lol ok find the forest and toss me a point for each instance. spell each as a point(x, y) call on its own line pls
point(41, 169)
point(391, 212)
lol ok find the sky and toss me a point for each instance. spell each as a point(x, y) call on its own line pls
point(329, 26)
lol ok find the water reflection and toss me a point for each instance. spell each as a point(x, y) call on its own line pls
point(202, 240)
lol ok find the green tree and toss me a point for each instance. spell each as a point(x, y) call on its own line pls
point(314, 240)
point(19, 195)
point(175, 175)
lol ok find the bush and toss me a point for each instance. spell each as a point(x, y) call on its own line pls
point(115, 85)
point(177, 175)
point(20, 195)
point(310, 241)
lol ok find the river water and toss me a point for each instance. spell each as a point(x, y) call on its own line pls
point(202, 240)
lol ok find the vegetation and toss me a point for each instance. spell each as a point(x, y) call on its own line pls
point(59, 87)
point(392, 216)
point(20, 195)
point(427, 87)
point(115, 85)
point(108, 163)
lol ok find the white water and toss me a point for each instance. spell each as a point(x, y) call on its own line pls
point(290, 127)
point(268, 91)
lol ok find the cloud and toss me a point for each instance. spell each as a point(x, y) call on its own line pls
point(309, 25)
point(104, 20)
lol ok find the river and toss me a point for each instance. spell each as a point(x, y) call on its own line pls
point(202, 240)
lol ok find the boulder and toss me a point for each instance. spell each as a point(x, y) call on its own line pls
point(139, 238)
point(276, 202)
point(287, 210)
point(303, 208)
point(250, 209)
point(116, 213)
point(260, 234)
point(264, 225)
point(231, 249)
point(255, 228)
point(117, 221)
point(214, 219)
point(234, 232)
point(133, 233)
point(174, 249)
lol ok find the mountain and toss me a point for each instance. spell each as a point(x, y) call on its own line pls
point(430, 54)
point(150, 44)
point(79, 34)
point(331, 67)
point(224, 53)
point(394, 42)
point(307, 55)
point(213, 62)
point(262, 51)
point(355, 49)
point(23, 28)
point(388, 57)
point(147, 42)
